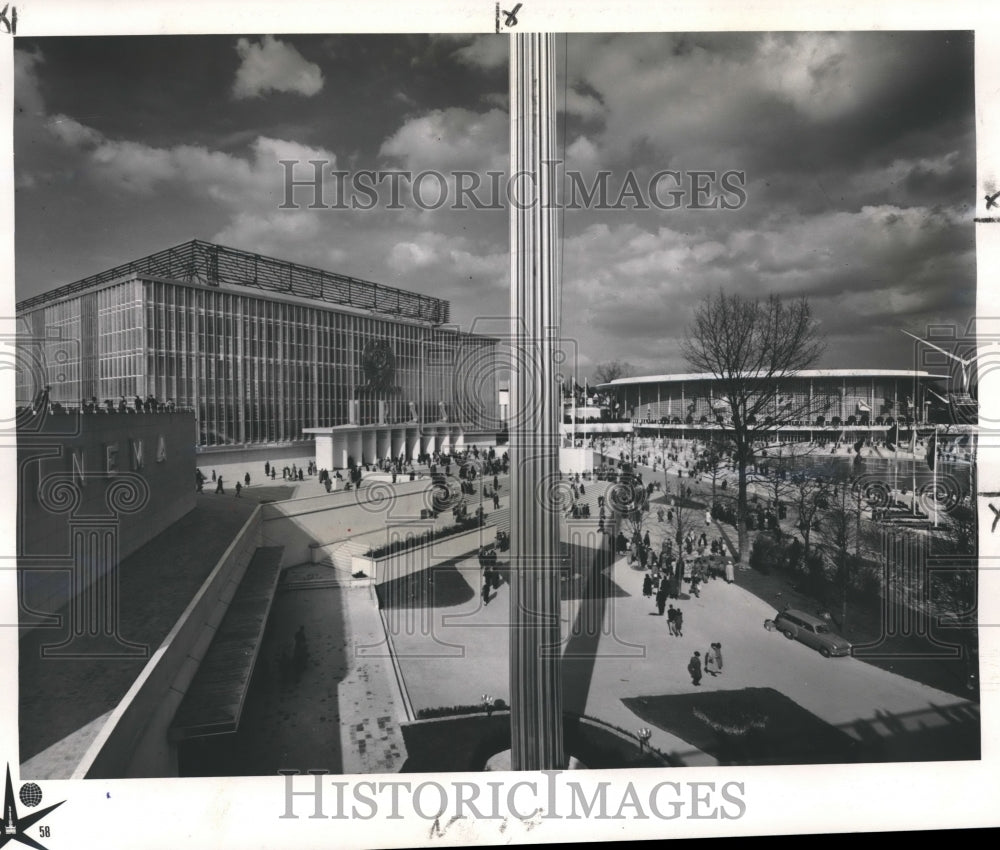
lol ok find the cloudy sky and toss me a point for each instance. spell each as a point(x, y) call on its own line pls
point(858, 152)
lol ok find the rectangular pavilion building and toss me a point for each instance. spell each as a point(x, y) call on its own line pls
point(260, 349)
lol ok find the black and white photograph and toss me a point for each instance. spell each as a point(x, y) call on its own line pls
point(498, 426)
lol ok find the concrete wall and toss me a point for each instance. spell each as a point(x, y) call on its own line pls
point(421, 557)
point(254, 457)
point(118, 479)
point(298, 524)
point(134, 741)
point(577, 459)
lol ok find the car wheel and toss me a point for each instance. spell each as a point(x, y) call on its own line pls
point(824, 651)
point(788, 634)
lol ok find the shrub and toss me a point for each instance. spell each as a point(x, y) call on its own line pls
point(412, 541)
point(457, 710)
point(767, 553)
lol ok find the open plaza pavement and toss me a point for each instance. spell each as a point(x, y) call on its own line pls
point(451, 647)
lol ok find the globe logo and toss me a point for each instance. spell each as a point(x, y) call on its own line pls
point(30, 794)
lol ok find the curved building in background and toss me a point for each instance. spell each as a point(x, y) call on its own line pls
point(859, 400)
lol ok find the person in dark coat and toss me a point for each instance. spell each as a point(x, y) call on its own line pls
point(661, 599)
point(679, 622)
point(672, 620)
point(694, 668)
point(647, 586)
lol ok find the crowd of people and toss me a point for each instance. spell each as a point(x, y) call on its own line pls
point(42, 403)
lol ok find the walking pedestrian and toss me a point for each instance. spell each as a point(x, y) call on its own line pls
point(672, 620)
point(717, 649)
point(694, 668)
point(647, 586)
point(246, 480)
point(710, 663)
point(218, 483)
point(238, 489)
point(661, 599)
point(679, 622)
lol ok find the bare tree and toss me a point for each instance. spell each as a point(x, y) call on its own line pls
point(810, 495)
point(715, 460)
point(838, 530)
point(683, 517)
point(751, 348)
point(605, 373)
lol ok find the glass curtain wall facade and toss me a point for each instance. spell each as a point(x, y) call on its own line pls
point(256, 369)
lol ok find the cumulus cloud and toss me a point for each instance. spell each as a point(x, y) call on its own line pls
point(449, 139)
point(485, 51)
point(72, 133)
point(27, 93)
point(582, 104)
point(223, 177)
point(271, 65)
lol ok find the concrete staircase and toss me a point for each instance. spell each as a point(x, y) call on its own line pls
point(339, 555)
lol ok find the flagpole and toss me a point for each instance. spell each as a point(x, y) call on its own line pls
point(934, 479)
point(572, 426)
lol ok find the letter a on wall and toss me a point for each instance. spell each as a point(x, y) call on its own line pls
point(161, 449)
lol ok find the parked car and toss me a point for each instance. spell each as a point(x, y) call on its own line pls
point(812, 631)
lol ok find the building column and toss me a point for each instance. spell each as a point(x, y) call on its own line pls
point(383, 443)
point(338, 451)
point(535, 636)
point(324, 451)
point(354, 446)
point(367, 445)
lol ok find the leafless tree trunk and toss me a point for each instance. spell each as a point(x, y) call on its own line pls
point(751, 347)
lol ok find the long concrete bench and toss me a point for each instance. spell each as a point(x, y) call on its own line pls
point(214, 702)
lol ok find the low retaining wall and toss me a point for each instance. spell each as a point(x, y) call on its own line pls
point(254, 457)
point(464, 743)
point(133, 741)
point(402, 564)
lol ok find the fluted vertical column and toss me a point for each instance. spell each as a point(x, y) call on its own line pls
point(535, 675)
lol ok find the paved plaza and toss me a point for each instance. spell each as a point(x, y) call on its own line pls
point(344, 711)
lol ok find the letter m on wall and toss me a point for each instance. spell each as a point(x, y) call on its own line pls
point(136, 454)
